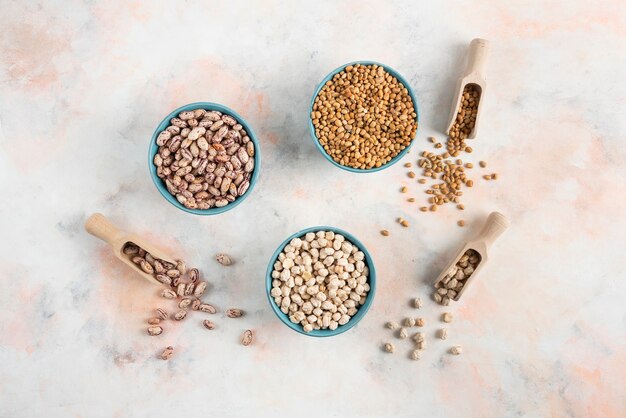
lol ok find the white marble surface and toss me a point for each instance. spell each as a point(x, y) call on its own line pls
point(82, 86)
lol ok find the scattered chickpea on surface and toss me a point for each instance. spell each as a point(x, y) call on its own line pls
point(392, 325)
point(402, 334)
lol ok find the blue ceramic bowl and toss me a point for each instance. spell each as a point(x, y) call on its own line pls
point(312, 128)
point(362, 310)
point(153, 149)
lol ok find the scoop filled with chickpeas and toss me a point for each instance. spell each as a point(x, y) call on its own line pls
point(321, 281)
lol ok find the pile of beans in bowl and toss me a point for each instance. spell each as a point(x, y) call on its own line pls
point(364, 117)
point(205, 159)
point(320, 280)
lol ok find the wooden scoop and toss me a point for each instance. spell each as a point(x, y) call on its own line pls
point(99, 226)
point(474, 74)
point(496, 224)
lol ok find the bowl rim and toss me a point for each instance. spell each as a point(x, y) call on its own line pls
point(400, 78)
point(153, 149)
point(369, 261)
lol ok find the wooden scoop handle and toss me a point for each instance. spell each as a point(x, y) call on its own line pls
point(477, 59)
point(99, 226)
point(496, 224)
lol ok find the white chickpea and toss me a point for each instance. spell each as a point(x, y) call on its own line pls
point(308, 328)
point(288, 263)
point(333, 325)
point(312, 290)
point(327, 305)
point(359, 290)
point(275, 292)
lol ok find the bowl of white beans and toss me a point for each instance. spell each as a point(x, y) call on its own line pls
point(321, 281)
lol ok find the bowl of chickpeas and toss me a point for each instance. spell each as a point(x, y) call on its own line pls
point(321, 281)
